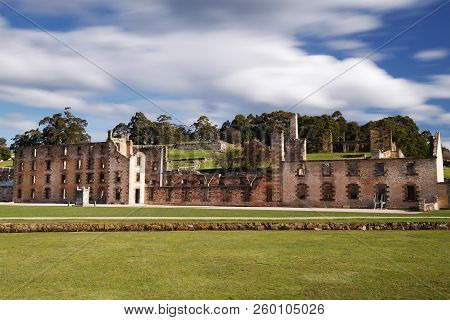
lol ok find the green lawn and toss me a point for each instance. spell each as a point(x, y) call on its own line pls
point(226, 265)
point(447, 172)
point(41, 211)
point(189, 165)
point(7, 163)
point(176, 154)
point(196, 154)
point(332, 156)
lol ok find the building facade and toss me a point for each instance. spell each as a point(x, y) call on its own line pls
point(118, 172)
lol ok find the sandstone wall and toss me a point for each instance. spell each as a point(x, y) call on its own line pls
point(395, 178)
point(63, 165)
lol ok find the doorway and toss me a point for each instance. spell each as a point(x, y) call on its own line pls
point(381, 196)
point(137, 196)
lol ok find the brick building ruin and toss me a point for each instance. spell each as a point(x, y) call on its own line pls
point(118, 172)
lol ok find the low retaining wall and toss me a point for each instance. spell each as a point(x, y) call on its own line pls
point(256, 226)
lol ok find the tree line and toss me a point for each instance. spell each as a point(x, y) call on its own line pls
point(65, 128)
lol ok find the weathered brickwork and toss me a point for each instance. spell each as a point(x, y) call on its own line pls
point(52, 174)
point(364, 183)
point(117, 172)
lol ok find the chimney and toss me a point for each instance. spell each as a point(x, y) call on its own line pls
point(109, 135)
point(293, 127)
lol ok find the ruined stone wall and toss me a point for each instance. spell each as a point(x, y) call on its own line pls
point(396, 177)
point(295, 150)
point(156, 162)
point(118, 176)
point(107, 168)
point(278, 157)
point(53, 173)
point(381, 140)
point(229, 189)
point(444, 195)
point(327, 141)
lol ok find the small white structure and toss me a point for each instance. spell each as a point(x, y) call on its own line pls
point(83, 196)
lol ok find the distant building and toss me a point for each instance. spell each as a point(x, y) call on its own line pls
point(6, 191)
point(6, 184)
point(118, 172)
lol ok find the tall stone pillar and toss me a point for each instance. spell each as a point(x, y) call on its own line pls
point(278, 157)
point(293, 126)
point(327, 141)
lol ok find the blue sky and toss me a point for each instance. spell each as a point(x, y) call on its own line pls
point(221, 58)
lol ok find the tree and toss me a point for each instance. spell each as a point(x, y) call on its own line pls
point(205, 130)
point(29, 138)
point(228, 159)
point(5, 153)
point(255, 154)
point(336, 115)
point(262, 126)
point(64, 129)
point(58, 129)
point(120, 130)
point(142, 131)
point(166, 130)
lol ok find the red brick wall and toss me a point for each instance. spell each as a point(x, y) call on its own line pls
point(95, 159)
point(396, 179)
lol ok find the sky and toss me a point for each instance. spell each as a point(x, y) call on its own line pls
point(107, 59)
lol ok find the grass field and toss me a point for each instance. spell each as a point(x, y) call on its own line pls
point(176, 154)
point(226, 265)
point(43, 211)
point(447, 172)
point(332, 156)
point(195, 154)
point(7, 163)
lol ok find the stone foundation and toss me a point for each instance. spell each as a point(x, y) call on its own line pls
point(212, 226)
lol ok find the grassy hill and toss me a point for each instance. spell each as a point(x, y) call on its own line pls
point(7, 163)
point(334, 155)
point(177, 154)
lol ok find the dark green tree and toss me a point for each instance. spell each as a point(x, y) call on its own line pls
point(255, 155)
point(64, 129)
point(229, 159)
point(142, 130)
point(29, 138)
point(5, 153)
point(205, 130)
point(120, 130)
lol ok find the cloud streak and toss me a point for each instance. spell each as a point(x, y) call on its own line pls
point(431, 54)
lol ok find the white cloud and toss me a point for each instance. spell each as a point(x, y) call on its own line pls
point(330, 17)
point(16, 121)
point(432, 54)
point(346, 44)
point(210, 69)
point(213, 57)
